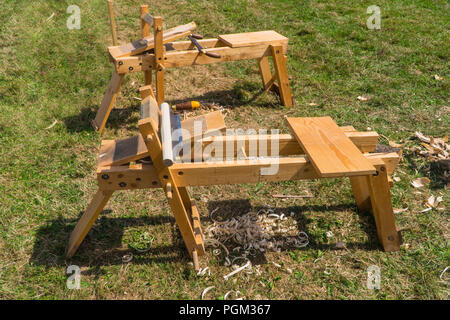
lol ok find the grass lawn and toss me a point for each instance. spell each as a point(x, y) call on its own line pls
point(47, 175)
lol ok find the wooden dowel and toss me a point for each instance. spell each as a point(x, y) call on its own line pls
point(166, 135)
point(145, 27)
point(112, 22)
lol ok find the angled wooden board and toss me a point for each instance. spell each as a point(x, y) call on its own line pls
point(248, 39)
point(118, 152)
point(328, 148)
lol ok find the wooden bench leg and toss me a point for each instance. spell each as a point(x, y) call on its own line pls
point(361, 193)
point(145, 31)
point(159, 57)
point(87, 220)
point(380, 198)
point(279, 61)
point(107, 102)
point(268, 80)
point(191, 207)
point(181, 203)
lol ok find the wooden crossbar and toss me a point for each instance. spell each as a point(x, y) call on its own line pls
point(147, 43)
point(118, 152)
point(142, 176)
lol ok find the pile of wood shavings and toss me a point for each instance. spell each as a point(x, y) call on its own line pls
point(433, 148)
point(252, 232)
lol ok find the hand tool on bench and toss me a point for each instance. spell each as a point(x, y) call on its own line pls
point(186, 106)
point(199, 47)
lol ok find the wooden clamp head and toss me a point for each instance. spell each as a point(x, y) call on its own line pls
point(148, 18)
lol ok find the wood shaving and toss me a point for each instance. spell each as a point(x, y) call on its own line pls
point(433, 201)
point(127, 258)
point(236, 294)
point(436, 149)
point(50, 18)
point(394, 144)
point(206, 291)
point(52, 125)
point(363, 98)
point(203, 271)
point(247, 265)
point(420, 182)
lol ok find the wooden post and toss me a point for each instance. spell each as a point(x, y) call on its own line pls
point(87, 220)
point(159, 58)
point(108, 102)
point(380, 197)
point(112, 21)
point(361, 192)
point(268, 80)
point(145, 28)
point(279, 61)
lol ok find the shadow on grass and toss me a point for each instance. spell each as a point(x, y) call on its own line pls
point(103, 244)
point(118, 118)
point(243, 93)
point(434, 170)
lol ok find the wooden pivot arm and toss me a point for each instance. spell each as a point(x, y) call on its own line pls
point(148, 18)
point(147, 43)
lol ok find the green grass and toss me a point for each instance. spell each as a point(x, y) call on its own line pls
point(47, 176)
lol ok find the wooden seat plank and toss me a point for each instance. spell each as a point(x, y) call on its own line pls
point(248, 39)
point(118, 152)
point(330, 151)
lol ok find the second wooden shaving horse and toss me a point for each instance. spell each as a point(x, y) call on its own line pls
point(158, 52)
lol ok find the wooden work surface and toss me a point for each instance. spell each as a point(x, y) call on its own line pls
point(330, 151)
point(248, 39)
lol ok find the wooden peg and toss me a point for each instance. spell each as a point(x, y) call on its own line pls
point(112, 21)
point(169, 191)
point(195, 260)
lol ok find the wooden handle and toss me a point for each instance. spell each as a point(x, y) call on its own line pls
point(189, 105)
point(213, 55)
point(196, 36)
point(169, 191)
